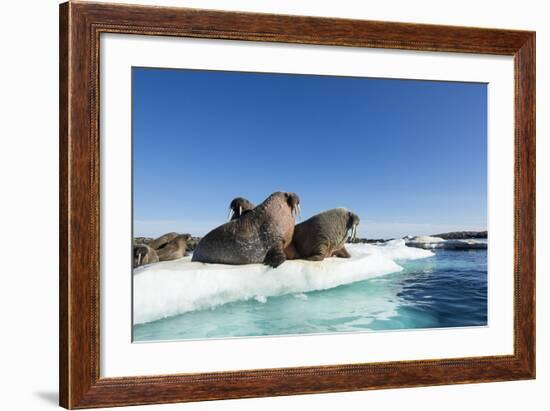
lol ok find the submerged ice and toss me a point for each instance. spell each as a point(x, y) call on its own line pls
point(175, 287)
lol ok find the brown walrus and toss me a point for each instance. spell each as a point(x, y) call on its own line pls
point(144, 254)
point(173, 249)
point(323, 235)
point(238, 207)
point(162, 240)
point(258, 236)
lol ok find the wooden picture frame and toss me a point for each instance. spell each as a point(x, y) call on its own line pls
point(80, 27)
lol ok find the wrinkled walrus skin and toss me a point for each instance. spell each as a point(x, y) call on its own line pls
point(238, 207)
point(258, 236)
point(323, 235)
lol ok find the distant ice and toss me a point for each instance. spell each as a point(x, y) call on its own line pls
point(393, 250)
point(175, 287)
point(430, 243)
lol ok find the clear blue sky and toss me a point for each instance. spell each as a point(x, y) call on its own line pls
point(410, 157)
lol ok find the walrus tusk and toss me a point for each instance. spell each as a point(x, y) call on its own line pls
point(354, 236)
point(299, 211)
point(240, 211)
point(139, 259)
point(351, 236)
point(230, 214)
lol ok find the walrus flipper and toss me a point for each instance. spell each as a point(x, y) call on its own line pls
point(275, 257)
point(291, 252)
point(319, 253)
point(341, 253)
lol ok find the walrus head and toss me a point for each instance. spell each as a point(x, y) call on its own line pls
point(182, 237)
point(143, 254)
point(293, 202)
point(280, 199)
point(238, 207)
point(180, 241)
point(353, 222)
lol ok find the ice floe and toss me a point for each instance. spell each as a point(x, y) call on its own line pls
point(175, 287)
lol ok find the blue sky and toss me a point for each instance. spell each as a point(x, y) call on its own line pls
point(410, 157)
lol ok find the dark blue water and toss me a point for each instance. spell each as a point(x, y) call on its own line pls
point(448, 289)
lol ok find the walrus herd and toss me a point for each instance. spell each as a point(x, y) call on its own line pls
point(265, 234)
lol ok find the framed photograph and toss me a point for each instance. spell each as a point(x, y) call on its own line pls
point(259, 205)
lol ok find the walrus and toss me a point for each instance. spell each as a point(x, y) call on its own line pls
point(144, 254)
point(258, 236)
point(162, 240)
point(323, 235)
point(238, 207)
point(173, 249)
point(143, 240)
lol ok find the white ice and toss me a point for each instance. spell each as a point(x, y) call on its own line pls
point(430, 243)
point(174, 287)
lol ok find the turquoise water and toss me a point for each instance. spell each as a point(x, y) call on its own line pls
point(448, 289)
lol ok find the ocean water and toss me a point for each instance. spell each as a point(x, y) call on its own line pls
point(422, 289)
